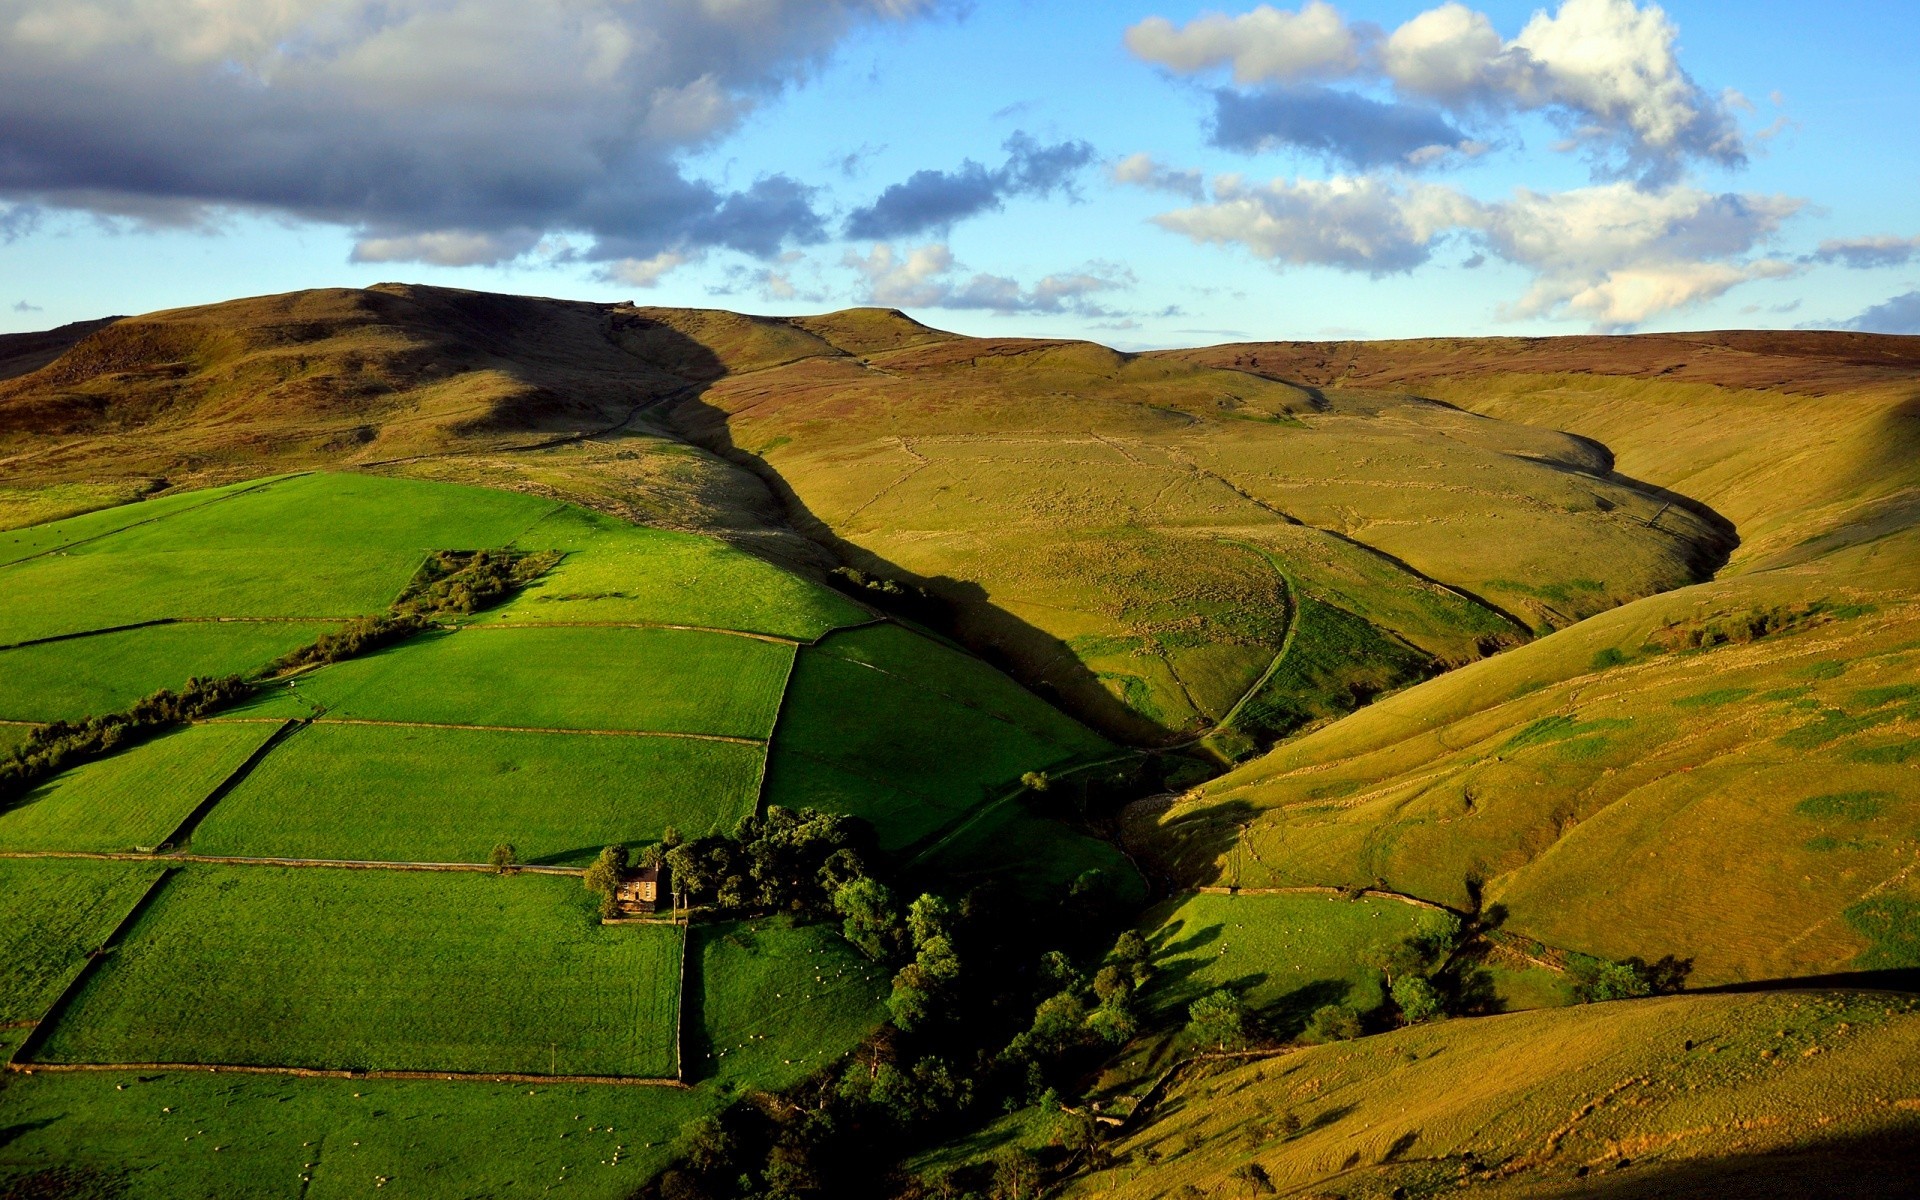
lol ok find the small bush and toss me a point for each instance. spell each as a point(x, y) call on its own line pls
point(1333, 1023)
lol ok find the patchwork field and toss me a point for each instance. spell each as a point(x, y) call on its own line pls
point(642, 680)
point(451, 795)
point(135, 799)
point(380, 970)
point(838, 745)
point(1283, 955)
point(778, 1001)
point(78, 677)
point(52, 914)
point(615, 572)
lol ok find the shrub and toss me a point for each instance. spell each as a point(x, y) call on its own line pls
point(503, 857)
point(1418, 999)
point(1218, 1019)
point(1333, 1023)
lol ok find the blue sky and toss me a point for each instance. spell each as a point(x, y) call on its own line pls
point(1142, 174)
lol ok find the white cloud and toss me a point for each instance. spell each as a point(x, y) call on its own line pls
point(1607, 70)
point(925, 277)
point(647, 272)
point(1141, 170)
point(446, 248)
point(1267, 45)
point(1614, 254)
point(1356, 223)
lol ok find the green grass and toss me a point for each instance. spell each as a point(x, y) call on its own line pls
point(1032, 857)
point(1335, 663)
point(1892, 925)
point(19, 544)
point(311, 546)
point(911, 739)
point(1285, 955)
point(617, 572)
point(134, 799)
point(380, 969)
point(658, 680)
point(450, 795)
point(437, 1140)
point(779, 1000)
point(52, 912)
point(1845, 806)
point(107, 672)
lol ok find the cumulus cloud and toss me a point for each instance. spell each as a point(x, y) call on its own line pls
point(646, 272)
point(1355, 223)
point(926, 277)
point(1865, 253)
point(1606, 70)
point(1614, 254)
point(1341, 126)
point(1267, 45)
point(1144, 171)
point(935, 200)
point(448, 129)
point(1898, 315)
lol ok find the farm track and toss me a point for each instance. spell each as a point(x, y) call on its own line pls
point(635, 733)
point(160, 621)
point(65, 546)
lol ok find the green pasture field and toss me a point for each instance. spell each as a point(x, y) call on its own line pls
point(133, 800)
point(451, 795)
point(1285, 955)
point(616, 572)
point(401, 970)
point(1033, 856)
point(52, 913)
point(656, 680)
point(167, 1135)
point(326, 545)
point(18, 544)
point(778, 1001)
point(962, 678)
point(103, 673)
point(13, 737)
point(899, 751)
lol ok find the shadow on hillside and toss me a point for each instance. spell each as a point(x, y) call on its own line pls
point(1892, 979)
point(1875, 1167)
point(1049, 666)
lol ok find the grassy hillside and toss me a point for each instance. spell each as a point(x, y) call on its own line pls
point(1727, 1096)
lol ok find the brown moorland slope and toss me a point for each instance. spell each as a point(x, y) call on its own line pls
point(1169, 548)
point(1724, 773)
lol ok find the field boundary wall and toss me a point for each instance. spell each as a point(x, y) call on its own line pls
point(22, 1057)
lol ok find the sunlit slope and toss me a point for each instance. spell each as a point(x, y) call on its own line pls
point(1135, 534)
point(1785, 1096)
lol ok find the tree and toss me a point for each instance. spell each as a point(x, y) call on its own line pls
point(1016, 1175)
point(1038, 781)
point(872, 924)
point(1333, 1023)
point(1218, 1019)
point(653, 857)
point(1418, 999)
point(503, 858)
point(1255, 1177)
point(604, 875)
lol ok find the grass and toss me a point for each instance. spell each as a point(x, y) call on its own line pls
point(451, 795)
point(779, 1000)
point(51, 534)
point(134, 799)
point(52, 913)
point(616, 572)
point(85, 676)
point(1335, 663)
point(1284, 955)
point(1033, 857)
point(380, 969)
point(326, 545)
point(657, 680)
point(1697, 1096)
point(153, 1135)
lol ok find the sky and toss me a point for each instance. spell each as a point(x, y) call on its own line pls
point(1144, 174)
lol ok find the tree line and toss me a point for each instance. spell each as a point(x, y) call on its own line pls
point(55, 747)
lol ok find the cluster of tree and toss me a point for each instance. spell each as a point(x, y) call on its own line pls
point(787, 860)
point(908, 600)
point(53, 748)
point(461, 581)
point(1596, 979)
point(998, 995)
point(360, 636)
